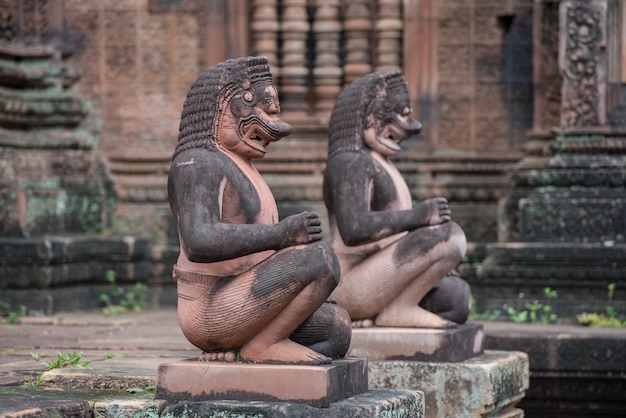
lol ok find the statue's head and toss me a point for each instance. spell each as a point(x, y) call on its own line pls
point(373, 112)
point(232, 107)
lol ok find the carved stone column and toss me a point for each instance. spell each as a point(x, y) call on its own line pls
point(564, 223)
point(264, 32)
point(327, 70)
point(294, 75)
point(583, 62)
point(389, 35)
point(358, 39)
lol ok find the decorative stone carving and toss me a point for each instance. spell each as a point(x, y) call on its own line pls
point(582, 61)
point(392, 253)
point(249, 287)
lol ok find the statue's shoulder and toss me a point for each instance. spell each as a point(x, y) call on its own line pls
point(199, 158)
point(350, 161)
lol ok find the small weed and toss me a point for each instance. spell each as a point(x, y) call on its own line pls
point(536, 312)
point(110, 356)
point(71, 360)
point(607, 319)
point(483, 316)
point(120, 300)
point(33, 380)
point(11, 317)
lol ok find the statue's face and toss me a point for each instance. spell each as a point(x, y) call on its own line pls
point(251, 122)
point(389, 123)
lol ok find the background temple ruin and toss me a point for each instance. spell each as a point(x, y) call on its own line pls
point(522, 102)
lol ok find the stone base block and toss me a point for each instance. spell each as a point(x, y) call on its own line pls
point(418, 344)
point(318, 386)
point(378, 403)
point(488, 385)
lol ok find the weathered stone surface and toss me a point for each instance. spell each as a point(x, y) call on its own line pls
point(318, 386)
point(563, 348)
point(52, 261)
point(379, 403)
point(487, 385)
point(42, 402)
point(27, 407)
point(514, 273)
point(122, 408)
point(575, 371)
point(434, 345)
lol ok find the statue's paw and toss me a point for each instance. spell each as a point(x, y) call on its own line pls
point(413, 317)
point(283, 352)
point(228, 356)
point(363, 323)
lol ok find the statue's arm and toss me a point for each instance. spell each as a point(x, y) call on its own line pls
point(348, 186)
point(195, 191)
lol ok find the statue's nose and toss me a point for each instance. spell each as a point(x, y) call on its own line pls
point(411, 126)
point(281, 128)
point(415, 127)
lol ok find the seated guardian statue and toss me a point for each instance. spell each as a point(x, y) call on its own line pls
point(250, 288)
point(396, 258)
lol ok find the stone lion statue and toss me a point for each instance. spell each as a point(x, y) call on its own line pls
point(250, 287)
point(396, 257)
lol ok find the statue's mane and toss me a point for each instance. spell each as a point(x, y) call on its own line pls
point(349, 116)
point(208, 96)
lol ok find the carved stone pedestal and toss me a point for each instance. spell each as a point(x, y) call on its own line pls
point(487, 385)
point(379, 403)
point(235, 389)
point(385, 343)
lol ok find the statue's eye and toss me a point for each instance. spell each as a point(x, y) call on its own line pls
point(406, 111)
point(271, 105)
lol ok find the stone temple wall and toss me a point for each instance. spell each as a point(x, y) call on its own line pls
point(468, 65)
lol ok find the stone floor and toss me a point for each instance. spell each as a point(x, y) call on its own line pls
point(125, 351)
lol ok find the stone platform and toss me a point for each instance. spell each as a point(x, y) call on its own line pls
point(317, 386)
point(418, 344)
point(487, 385)
point(380, 403)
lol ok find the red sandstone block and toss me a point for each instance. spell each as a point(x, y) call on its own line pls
point(318, 386)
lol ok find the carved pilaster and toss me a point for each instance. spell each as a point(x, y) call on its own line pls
point(294, 75)
point(327, 71)
point(358, 40)
point(582, 60)
point(264, 28)
point(547, 79)
point(389, 35)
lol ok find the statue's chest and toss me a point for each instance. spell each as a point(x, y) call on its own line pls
point(246, 197)
point(390, 189)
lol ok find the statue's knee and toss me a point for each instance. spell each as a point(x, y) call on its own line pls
point(320, 263)
point(457, 241)
point(450, 299)
point(340, 331)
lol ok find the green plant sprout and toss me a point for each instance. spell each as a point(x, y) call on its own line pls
point(120, 300)
point(483, 316)
point(70, 360)
point(7, 316)
point(607, 319)
point(110, 356)
point(536, 312)
point(33, 380)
